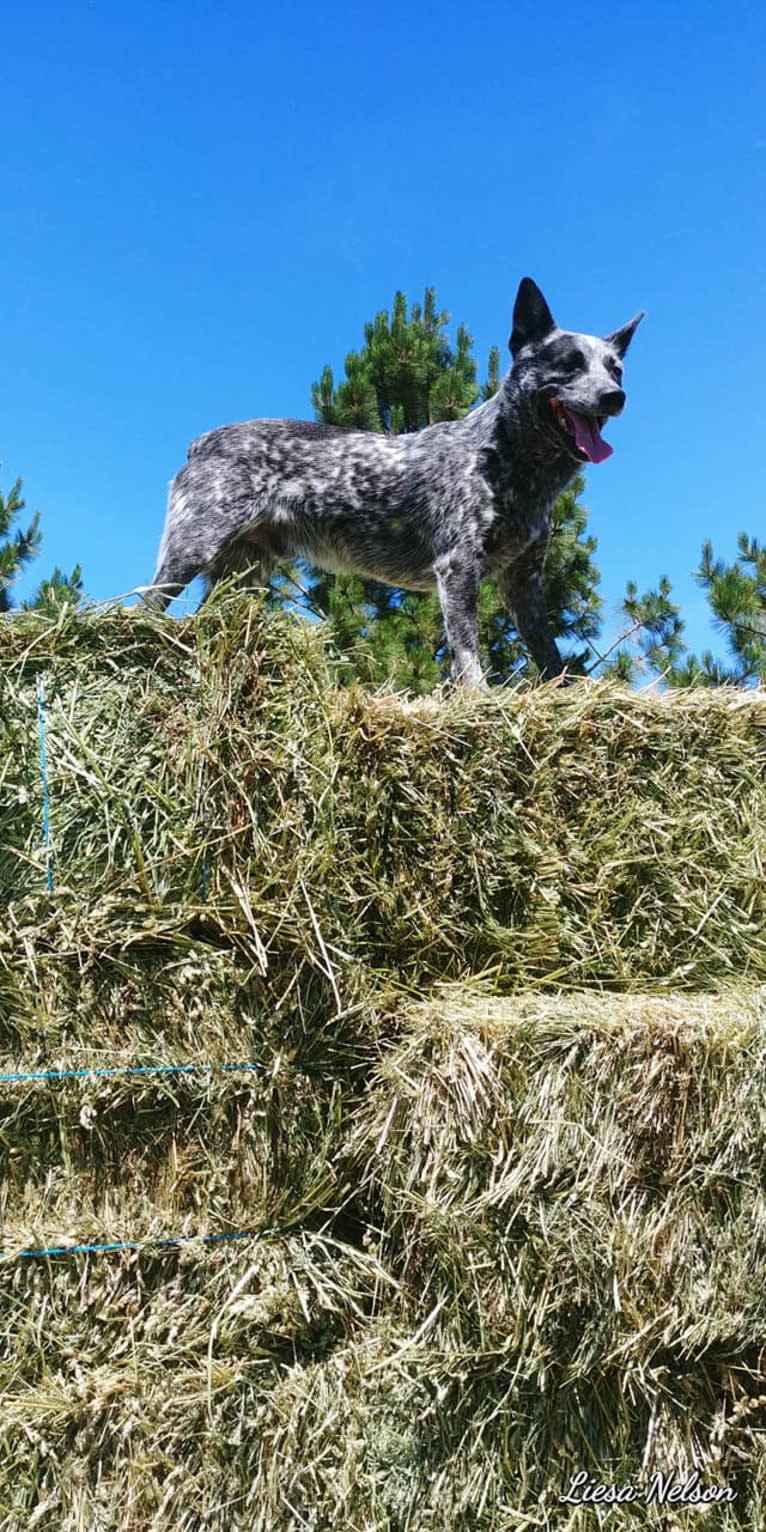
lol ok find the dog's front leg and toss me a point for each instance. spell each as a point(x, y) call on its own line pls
point(522, 592)
point(457, 581)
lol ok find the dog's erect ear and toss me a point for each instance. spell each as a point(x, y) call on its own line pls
point(621, 339)
point(532, 319)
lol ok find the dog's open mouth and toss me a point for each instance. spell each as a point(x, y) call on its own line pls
point(584, 432)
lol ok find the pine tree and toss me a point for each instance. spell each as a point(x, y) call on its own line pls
point(653, 640)
point(407, 376)
point(17, 550)
point(57, 591)
point(737, 595)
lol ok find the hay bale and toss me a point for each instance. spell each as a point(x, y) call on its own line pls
point(587, 837)
point(539, 1249)
point(590, 837)
point(494, 1236)
point(574, 1186)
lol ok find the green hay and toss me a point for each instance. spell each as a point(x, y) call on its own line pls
point(551, 1259)
point(150, 1156)
point(502, 1233)
point(590, 837)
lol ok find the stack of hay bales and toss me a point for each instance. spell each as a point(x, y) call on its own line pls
point(411, 1058)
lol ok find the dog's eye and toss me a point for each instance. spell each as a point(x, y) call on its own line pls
point(615, 368)
point(573, 361)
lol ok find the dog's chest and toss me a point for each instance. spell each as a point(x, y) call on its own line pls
point(516, 526)
point(521, 514)
point(522, 492)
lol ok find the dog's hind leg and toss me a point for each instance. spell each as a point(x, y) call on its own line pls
point(209, 502)
point(170, 578)
point(247, 562)
point(182, 553)
point(457, 582)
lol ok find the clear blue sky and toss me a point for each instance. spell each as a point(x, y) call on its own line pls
point(203, 204)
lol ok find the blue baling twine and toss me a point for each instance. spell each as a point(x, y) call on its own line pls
point(44, 776)
point(165, 1241)
point(127, 1069)
point(146, 1244)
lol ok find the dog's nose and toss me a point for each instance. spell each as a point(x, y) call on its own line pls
point(613, 402)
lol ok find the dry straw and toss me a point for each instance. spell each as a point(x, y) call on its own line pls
point(504, 1228)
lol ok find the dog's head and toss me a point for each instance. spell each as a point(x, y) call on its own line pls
point(574, 381)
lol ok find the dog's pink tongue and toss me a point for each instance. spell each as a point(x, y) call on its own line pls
point(589, 438)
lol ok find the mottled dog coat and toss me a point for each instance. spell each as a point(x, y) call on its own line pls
point(440, 508)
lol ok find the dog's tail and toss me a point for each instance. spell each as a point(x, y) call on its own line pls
point(182, 554)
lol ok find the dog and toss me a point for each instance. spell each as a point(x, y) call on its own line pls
point(439, 508)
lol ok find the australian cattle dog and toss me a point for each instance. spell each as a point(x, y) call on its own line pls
point(439, 508)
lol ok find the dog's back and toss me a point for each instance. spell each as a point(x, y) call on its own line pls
point(349, 501)
point(251, 436)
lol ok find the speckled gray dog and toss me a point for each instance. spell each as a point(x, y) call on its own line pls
point(442, 507)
